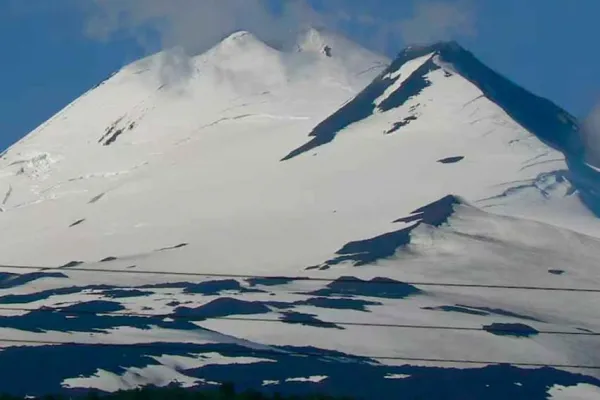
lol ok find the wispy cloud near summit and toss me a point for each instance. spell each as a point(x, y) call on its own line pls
point(190, 27)
point(591, 131)
point(195, 25)
point(434, 20)
point(183, 28)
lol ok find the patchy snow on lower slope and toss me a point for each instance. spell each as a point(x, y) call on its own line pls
point(578, 392)
point(412, 219)
point(158, 329)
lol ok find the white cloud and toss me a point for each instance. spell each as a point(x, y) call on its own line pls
point(196, 25)
point(193, 26)
point(591, 131)
point(434, 20)
point(188, 27)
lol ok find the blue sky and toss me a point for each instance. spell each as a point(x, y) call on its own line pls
point(50, 55)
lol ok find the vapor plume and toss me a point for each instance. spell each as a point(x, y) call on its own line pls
point(591, 132)
point(193, 26)
point(184, 28)
point(196, 25)
point(434, 20)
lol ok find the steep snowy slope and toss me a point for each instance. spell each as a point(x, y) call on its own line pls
point(462, 112)
point(136, 147)
point(422, 205)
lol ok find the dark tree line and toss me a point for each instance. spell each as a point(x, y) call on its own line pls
point(225, 392)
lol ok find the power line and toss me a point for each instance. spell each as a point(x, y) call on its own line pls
point(308, 322)
point(352, 280)
point(273, 352)
point(199, 318)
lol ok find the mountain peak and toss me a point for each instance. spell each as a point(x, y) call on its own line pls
point(240, 37)
point(314, 40)
point(242, 41)
point(331, 45)
point(408, 75)
point(419, 50)
point(434, 46)
point(150, 189)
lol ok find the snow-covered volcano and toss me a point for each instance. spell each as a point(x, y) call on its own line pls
point(321, 161)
